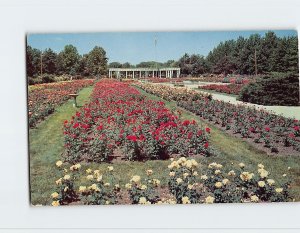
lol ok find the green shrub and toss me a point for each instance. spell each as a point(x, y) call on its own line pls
point(273, 89)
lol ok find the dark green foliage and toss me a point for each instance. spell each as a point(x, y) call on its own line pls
point(273, 89)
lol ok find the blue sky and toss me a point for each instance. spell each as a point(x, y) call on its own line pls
point(136, 47)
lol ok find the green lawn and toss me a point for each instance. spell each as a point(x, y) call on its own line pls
point(46, 147)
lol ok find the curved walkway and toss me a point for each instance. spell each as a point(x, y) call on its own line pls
point(286, 111)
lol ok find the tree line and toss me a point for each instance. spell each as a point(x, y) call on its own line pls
point(68, 61)
point(256, 54)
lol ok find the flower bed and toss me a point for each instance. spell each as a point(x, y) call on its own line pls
point(44, 98)
point(228, 89)
point(187, 184)
point(264, 129)
point(120, 122)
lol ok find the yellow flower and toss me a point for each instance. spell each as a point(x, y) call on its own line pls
point(67, 177)
point(217, 172)
point(289, 168)
point(212, 165)
point(128, 186)
point(218, 184)
point(219, 166)
point(117, 186)
point(110, 168)
point(188, 164)
point(246, 176)
point(190, 186)
point(142, 200)
point(185, 175)
point(82, 189)
point(90, 177)
point(225, 181)
point(54, 195)
point(261, 184)
point(107, 184)
point(172, 174)
point(231, 173)
point(99, 178)
point(194, 163)
point(135, 179)
point(156, 182)
point(179, 180)
point(209, 200)
point(254, 198)
point(263, 173)
point(107, 202)
point(59, 163)
point(242, 165)
point(97, 173)
point(278, 190)
point(284, 175)
point(143, 187)
point(78, 166)
point(204, 177)
point(149, 172)
point(185, 200)
point(195, 173)
point(59, 181)
point(260, 166)
point(66, 188)
point(75, 167)
point(55, 203)
point(270, 181)
point(88, 171)
point(172, 159)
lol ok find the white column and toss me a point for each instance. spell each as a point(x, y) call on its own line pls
point(126, 74)
point(133, 74)
point(140, 74)
point(152, 73)
point(159, 73)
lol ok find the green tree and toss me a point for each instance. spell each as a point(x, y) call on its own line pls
point(115, 65)
point(68, 60)
point(96, 62)
point(49, 59)
point(33, 61)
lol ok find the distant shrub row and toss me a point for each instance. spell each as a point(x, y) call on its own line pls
point(50, 78)
point(273, 89)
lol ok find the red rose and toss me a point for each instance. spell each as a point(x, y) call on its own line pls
point(207, 130)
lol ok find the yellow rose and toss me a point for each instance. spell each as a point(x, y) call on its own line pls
point(67, 177)
point(261, 184)
point(59, 181)
point(263, 173)
point(97, 173)
point(195, 173)
point(54, 195)
point(204, 177)
point(55, 203)
point(143, 187)
point(217, 172)
point(225, 181)
point(90, 177)
point(142, 200)
point(172, 174)
point(219, 166)
point(88, 171)
point(246, 176)
point(128, 186)
point(212, 165)
point(107, 184)
point(260, 166)
point(185, 200)
point(231, 173)
point(209, 200)
point(156, 182)
point(218, 184)
point(284, 175)
point(149, 172)
point(270, 181)
point(135, 179)
point(59, 163)
point(179, 180)
point(190, 186)
point(107, 202)
point(185, 175)
point(254, 198)
point(78, 166)
point(110, 168)
point(82, 189)
point(278, 190)
point(242, 165)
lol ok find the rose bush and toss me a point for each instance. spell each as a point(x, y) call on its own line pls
point(121, 120)
point(44, 98)
point(261, 126)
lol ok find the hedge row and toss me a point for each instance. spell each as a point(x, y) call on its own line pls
point(273, 89)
